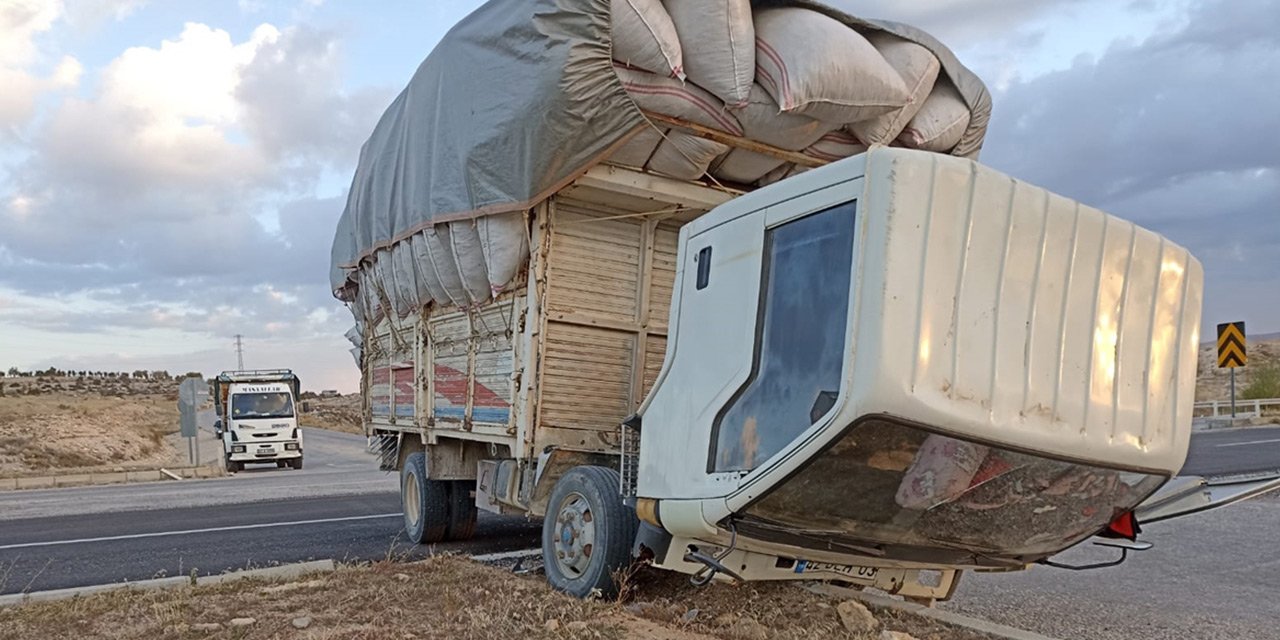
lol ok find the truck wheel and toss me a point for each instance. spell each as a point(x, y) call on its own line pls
point(462, 510)
point(425, 502)
point(280, 464)
point(296, 463)
point(587, 533)
point(233, 467)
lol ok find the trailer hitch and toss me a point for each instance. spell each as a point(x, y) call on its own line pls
point(714, 564)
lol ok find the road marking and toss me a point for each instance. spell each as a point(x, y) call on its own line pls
point(507, 555)
point(1241, 444)
point(162, 534)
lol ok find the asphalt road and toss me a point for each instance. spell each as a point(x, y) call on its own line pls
point(1209, 573)
point(1233, 451)
point(334, 464)
point(338, 506)
point(69, 551)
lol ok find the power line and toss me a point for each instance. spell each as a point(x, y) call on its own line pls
point(239, 353)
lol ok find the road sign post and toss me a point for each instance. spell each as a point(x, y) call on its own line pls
point(1232, 353)
point(190, 393)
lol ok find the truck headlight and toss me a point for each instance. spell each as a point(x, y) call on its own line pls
point(291, 446)
point(237, 448)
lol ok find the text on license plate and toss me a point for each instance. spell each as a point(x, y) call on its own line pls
point(862, 573)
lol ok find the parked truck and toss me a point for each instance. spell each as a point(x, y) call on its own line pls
point(884, 369)
point(257, 418)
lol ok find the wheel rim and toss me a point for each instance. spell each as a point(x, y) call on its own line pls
point(575, 536)
point(411, 508)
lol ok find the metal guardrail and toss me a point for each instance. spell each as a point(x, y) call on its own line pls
point(1244, 408)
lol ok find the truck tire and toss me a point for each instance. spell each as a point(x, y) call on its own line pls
point(296, 463)
point(587, 533)
point(233, 467)
point(425, 502)
point(462, 510)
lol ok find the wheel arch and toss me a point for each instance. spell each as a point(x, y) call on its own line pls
point(557, 461)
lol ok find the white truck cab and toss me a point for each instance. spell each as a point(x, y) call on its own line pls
point(257, 418)
point(903, 361)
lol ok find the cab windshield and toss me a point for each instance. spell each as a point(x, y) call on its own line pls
point(262, 405)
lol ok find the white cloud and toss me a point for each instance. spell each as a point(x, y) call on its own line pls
point(188, 79)
point(136, 207)
point(22, 22)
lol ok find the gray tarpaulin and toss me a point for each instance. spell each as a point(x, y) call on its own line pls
point(517, 100)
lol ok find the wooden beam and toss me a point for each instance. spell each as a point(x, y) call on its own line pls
point(736, 141)
point(663, 191)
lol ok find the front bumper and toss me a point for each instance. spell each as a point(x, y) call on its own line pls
point(266, 451)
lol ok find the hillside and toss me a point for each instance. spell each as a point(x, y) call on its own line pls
point(1213, 383)
point(337, 413)
point(57, 424)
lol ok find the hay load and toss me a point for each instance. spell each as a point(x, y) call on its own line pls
point(524, 96)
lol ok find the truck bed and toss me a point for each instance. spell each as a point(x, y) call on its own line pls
point(562, 358)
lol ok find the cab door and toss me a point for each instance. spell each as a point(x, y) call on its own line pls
point(761, 316)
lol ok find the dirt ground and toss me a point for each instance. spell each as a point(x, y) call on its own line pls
point(65, 425)
point(446, 597)
point(341, 413)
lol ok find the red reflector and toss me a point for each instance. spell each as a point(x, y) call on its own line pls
point(1123, 526)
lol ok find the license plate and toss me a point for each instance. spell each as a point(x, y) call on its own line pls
point(863, 574)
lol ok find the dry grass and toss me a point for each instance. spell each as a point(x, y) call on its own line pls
point(445, 597)
point(62, 431)
point(788, 613)
point(335, 414)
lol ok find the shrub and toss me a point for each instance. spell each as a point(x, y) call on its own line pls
point(1264, 383)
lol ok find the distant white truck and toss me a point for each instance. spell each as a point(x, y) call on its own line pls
point(257, 418)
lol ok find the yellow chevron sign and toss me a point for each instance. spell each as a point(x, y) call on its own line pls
point(1231, 349)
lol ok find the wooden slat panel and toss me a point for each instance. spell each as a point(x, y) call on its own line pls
point(380, 377)
point(595, 264)
point(493, 390)
point(449, 338)
point(402, 390)
point(586, 377)
point(655, 351)
point(663, 273)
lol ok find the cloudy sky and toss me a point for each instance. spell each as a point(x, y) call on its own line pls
point(171, 171)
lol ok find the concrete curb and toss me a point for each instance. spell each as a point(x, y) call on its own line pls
point(111, 477)
point(1246, 427)
point(949, 617)
point(177, 582)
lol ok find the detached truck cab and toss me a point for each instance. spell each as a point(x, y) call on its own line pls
point(257, 418)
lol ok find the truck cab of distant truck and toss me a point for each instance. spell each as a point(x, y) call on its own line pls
point(258, 419)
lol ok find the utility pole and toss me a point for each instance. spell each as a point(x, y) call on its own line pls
point(239, 353)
